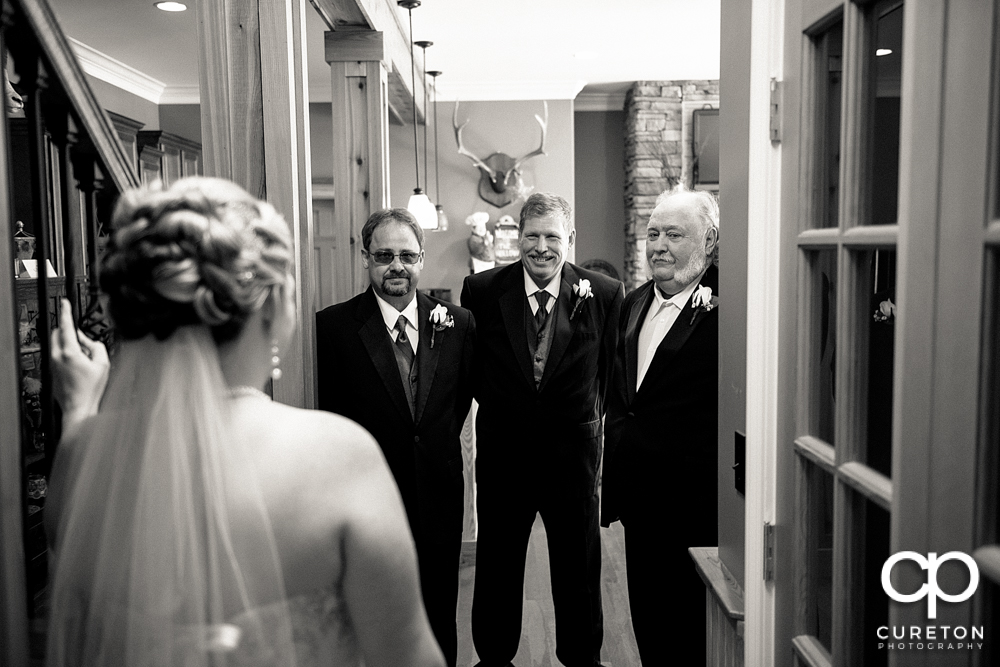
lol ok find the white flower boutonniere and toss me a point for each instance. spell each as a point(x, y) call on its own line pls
point(440, 320)
point(703, 301)
point(886, 311)
point(583, 292)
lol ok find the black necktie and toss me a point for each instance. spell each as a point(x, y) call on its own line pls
point(404, 359)
point(403, 342)
point(542, 314)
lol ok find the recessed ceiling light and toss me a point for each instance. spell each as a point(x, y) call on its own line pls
point(171, 6)
point(586, 55)
point(883, 52)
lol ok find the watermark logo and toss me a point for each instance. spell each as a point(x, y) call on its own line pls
point(930, 589)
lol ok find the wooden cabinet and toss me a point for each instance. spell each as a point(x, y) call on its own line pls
point(128, 131)
point(178, 157)
point(156, 154)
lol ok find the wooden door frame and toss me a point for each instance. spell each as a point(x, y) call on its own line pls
point(944, 193)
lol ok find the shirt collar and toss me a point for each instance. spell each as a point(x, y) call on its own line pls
point(391, 315)
point(552, 288)
point(680, 299)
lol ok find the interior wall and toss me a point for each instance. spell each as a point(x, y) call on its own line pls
point(504, 126)
point(599, 145)
point(125, 103)
point(734, 166)
point(184, 120)
point(321, 142)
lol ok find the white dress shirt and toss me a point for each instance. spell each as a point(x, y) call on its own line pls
point(552, 288)
point(663, 312)
point(391, 316)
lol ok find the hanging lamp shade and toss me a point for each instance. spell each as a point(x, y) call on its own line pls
point(422, 209)
point(442, 218)
point(441, 215)
point(420, 204)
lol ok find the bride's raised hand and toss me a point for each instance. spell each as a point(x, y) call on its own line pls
point(79, 370)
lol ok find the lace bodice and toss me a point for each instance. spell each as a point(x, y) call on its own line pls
point(322, 630)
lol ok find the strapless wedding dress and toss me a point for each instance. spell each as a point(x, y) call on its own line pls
point(322, 632)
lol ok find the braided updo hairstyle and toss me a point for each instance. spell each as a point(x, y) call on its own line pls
point(202, 251)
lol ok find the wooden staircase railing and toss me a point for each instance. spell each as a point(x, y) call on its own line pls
point(63, 168)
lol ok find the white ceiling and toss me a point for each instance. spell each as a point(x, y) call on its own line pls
point(509, 49)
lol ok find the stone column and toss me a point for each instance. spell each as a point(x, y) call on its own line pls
point(658, 154)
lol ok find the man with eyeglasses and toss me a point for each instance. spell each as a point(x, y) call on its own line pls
point(399, 363)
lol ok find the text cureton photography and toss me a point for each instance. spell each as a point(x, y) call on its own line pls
point(931, 637)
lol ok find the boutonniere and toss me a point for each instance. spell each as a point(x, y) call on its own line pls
point(440, 320)
point(583, 292)
point(703, 301)
point(886, 311)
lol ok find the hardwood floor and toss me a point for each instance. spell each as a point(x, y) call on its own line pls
point(538, 633)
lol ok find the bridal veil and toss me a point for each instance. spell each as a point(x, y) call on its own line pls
point(164, 551)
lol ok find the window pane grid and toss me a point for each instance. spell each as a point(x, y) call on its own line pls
point(988, 556)
point(866, 316)
point(810, 653)
point(993, 233)
point(814, 552)
point(818, 345)
point(846, 322)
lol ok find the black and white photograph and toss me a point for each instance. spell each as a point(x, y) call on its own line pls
point(535, 333)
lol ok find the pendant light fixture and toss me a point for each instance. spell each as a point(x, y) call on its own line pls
point(423, 44)
point(419, 205)
point(442, 216)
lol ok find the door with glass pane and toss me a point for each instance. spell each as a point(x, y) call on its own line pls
point(896, 226)
point(847, 257)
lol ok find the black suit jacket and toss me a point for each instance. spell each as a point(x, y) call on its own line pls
point(667, 430)
point(549, 435)
point(358, 378)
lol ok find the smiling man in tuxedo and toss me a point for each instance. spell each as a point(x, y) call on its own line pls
point(399, 363)
point(547, 332)
point(662, 417)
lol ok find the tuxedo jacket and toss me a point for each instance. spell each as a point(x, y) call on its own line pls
point(357, 377)
point(550, 434)
point(661, 441)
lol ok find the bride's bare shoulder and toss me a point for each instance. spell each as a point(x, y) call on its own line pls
point(328, 444)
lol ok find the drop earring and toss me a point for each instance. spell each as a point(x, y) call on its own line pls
point(275, 360)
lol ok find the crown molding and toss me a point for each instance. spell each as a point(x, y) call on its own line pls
point(469, 91)
point(107, 69)
point(599, 102)
point(181, 95)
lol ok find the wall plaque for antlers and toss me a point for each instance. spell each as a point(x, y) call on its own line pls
point(500, 182)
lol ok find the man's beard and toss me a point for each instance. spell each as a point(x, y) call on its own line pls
point(696, 264)
point(391, 290)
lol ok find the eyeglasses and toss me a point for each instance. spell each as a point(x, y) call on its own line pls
point(383, 257)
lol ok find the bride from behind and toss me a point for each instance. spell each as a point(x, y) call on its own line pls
point(192, 520)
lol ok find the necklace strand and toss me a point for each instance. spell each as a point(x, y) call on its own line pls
point(243, 390)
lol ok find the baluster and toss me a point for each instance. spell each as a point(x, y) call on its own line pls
point(35, 78)
point(90, 181)
point(63, 131)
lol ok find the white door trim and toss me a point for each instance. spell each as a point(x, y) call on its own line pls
point(763, 289)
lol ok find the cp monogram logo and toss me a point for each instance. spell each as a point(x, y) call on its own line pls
point(930, 590)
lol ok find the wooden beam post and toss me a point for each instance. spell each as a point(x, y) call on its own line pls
point(255, 132)
point(13, 605)
point(360, 112)
point(383, 16)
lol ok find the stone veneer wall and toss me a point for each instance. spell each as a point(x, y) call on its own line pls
point(658, 154)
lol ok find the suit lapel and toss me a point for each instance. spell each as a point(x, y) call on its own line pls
point(564, 327)
point(635, 318)
point(683, 327)
point(512, 310)
point(376, 340)
point(427, 357)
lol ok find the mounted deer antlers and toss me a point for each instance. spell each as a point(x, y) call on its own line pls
point(495, 185)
